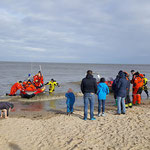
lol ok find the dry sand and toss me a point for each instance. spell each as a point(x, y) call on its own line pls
point(57, 131)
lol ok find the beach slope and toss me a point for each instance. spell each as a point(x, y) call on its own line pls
point(113, 132)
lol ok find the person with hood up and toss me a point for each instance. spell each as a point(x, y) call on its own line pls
point(121, 89)
point(70, 101)
point(114, 88)
point(103, 90)
point(89, 89)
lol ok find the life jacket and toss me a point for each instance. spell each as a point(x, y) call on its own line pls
point(138, 81)
point(38, 81)
point(28, 86)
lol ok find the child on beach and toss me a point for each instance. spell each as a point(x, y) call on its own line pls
point(103, 90)
point(70, 101)
point(5, 107)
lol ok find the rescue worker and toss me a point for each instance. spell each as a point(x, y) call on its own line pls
point(17, 86)
point(38, 80)
point(145, 88)
point(28, 86)
point(128, 102)
point(52, 85)
point(137, 81)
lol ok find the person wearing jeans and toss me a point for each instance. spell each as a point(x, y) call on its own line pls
point(121, 102)
point(103, 90)
point(101, 103)
point(121, 88)
point(89, 97)
point(89, 89)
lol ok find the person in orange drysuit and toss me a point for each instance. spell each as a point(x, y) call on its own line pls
point(137, 82)
point(38, 80)
point(28, 86)
point(17, 86)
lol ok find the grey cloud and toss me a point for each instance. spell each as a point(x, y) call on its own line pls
point(75, 31)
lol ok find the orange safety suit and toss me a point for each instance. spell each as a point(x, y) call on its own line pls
point(38, 80)
point(137, 82)
point(28, 86)
point(17, 86)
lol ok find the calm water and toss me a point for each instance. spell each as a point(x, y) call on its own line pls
point(68, 75)
point(65, 74)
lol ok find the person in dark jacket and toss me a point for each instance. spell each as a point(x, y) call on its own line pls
point(114, 88)
point(6, 107)
point(121, 89)
point(128, 102)
point(89, 89)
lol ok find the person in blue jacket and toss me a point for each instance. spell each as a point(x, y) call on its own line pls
point(70, 101)
point(103, 90)
point(121, 91)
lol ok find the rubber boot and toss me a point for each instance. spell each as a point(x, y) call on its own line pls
point(130, 105)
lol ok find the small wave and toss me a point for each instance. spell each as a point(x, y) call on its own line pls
point(40, 97)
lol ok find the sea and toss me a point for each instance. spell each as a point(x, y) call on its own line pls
point(68, 75)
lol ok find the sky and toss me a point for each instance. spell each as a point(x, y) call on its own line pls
point(75, 31)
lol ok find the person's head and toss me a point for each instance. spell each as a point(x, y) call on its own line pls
point(143, 75)
point(20, 81)
point(102, 80)
point(39, 73)
point(52, 80)
point(89, 72)
point(69, 90)
point(132, 72)
point(126, 74)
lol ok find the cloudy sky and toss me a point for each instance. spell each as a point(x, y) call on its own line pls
point(77, 31)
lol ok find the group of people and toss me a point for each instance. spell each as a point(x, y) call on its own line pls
point(89, 87)
point(32, 84)
point(120, 87)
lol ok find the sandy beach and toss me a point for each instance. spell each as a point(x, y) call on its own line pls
point(55, 131)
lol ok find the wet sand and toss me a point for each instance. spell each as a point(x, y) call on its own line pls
point(55, 130)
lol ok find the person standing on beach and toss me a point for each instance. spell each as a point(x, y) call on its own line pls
point(89, 89)
point(70, 101)
point(103, 90)
point(121, 89)
point(137, 81)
